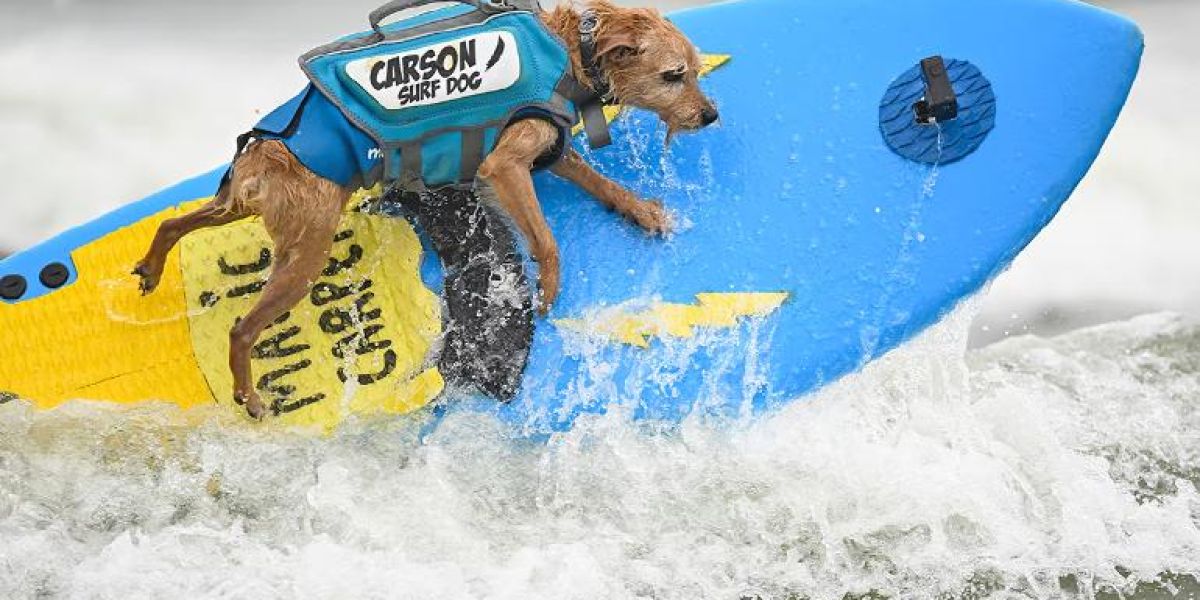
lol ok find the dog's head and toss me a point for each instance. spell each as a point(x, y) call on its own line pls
point(652, 65)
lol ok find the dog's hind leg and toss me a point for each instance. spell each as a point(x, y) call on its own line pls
point(302, 228)
point(214, 213)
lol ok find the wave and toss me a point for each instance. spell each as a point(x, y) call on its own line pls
point(936, 470)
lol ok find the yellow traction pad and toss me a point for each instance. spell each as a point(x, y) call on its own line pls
point(357, 342)
point(97, 338)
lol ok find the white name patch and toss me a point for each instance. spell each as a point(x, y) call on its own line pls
point(461, 68)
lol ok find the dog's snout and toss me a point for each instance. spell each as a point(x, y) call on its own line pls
point(709, 116)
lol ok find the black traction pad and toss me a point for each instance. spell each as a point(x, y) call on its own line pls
point(488, 316)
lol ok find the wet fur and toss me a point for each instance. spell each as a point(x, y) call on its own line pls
point(301, 211)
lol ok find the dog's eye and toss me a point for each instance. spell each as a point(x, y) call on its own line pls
point(674, 76)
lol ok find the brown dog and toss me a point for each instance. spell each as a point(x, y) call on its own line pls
point(647, 62)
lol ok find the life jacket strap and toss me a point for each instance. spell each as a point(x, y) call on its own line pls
point(412, 170)
point(588, 23)
point(591, 102)
point(595, 125)
point(471, 156)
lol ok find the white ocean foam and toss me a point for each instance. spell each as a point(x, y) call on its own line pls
point(934, 470)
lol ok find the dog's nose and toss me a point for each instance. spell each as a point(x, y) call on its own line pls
point(709, 116)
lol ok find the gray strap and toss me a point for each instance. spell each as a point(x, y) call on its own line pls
point(595, 125)
point(472, 154)
point(412, 174)
point(527, 5)
point(378, 15)
point(590, 107)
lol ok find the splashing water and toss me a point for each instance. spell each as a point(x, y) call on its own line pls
point(935, 470)
point(929, 186)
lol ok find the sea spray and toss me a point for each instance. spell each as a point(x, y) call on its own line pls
point(933, 470)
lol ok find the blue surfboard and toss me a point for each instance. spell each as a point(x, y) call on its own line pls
point(799, 191)
point(819, 226)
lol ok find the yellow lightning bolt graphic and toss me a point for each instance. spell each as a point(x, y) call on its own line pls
point(666, 319)
point(708, 64)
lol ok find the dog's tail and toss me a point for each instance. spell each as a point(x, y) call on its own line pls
point(242, 187)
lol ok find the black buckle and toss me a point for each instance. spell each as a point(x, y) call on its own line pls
point(940, 103)
point(588, 22)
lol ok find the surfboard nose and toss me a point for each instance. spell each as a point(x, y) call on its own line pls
point(1051, 51)
point(873, 244)
point(1059, 73)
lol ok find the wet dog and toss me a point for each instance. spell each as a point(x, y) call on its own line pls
point(644, 60)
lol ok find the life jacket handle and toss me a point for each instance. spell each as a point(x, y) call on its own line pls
point(395, 6)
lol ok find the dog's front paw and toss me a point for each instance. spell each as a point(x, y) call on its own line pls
point(547, 294)
point(547, 286)
point(148, 276)
point(651, 216)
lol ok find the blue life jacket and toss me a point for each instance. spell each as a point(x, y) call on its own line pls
point(423, 101)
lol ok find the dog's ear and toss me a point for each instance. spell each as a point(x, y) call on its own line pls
point(617, 45)
point(621, 32)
